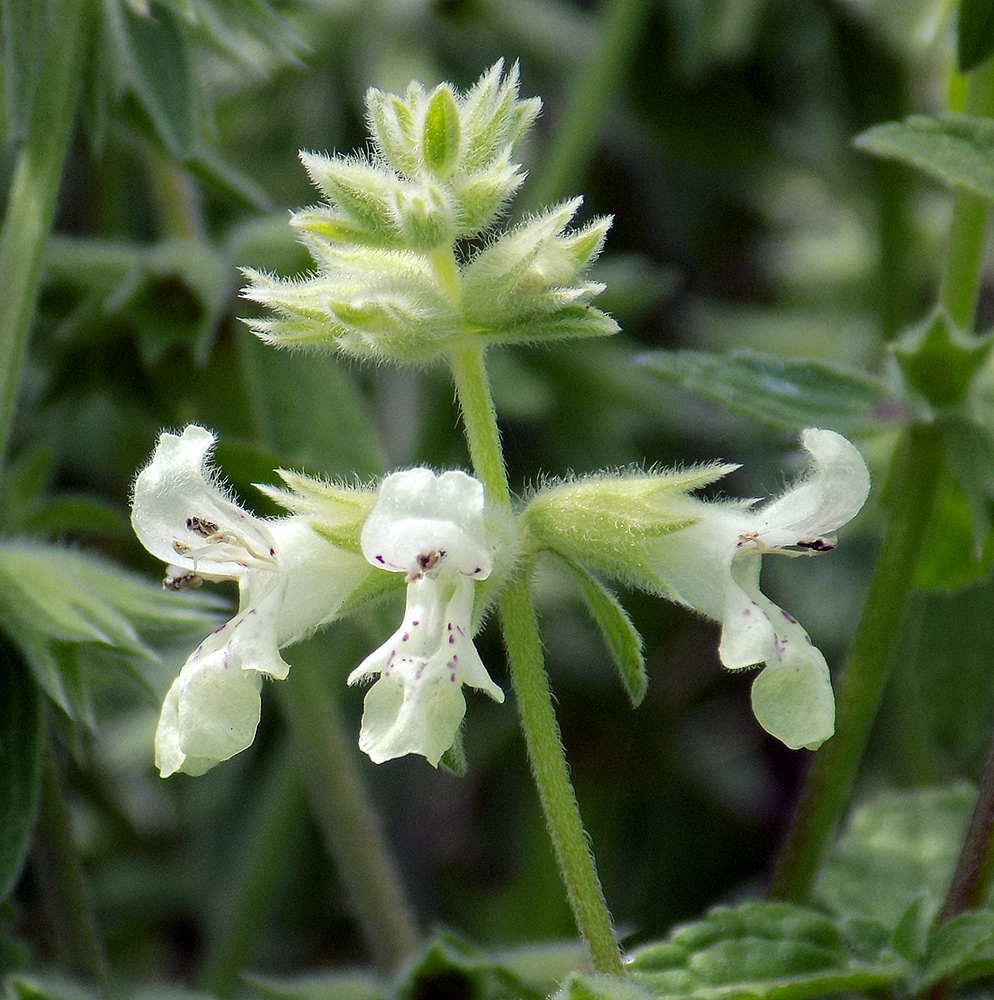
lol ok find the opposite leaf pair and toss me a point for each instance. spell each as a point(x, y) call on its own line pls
point(646, 529)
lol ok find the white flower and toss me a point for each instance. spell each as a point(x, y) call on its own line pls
point(713, 566)
point(290, 580)
point(431, 528)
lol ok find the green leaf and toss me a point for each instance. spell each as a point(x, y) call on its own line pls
point(22, 37)
point(69, 613)
point(974, 33)
point(895, 849)
point(449, 966)
point(947, 651)
point(623, 640)
point(761, 950)
point(953, 148)
point(319, 986)
point(20, 765)
point(440, 134)
point(939, 362)
point(586, 987)
point(791, 394)
point(970, 453)
point(949, 558)
point(960, 949)
point(157, 62)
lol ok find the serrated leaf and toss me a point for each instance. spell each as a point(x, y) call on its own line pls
point(20, 765)
point(791, 394)
point(760, 950)
point(620, 635)
point(56, 603)
point(960, 949)
point(974, 33)
point(160, 75)
point(895, 849)
point(953, 148)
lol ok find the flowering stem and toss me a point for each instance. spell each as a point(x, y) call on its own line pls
point(345, 815)
point(34, 189)
point(915, 472)
point(531, 683)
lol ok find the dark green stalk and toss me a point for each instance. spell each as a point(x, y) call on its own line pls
point(34, 190)
point(569, 153)
point(57, 867)
point(327, 758)
point(915, 472)
point(975, 866)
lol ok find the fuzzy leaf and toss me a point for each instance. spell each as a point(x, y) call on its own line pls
point(160, 75)
point(759, 950)
point(953, 148)
point(791, 394)
point(440, 135)
point(896, 848)
point(620, 635)
point(962, 948)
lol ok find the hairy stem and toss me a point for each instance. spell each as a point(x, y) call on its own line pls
point(531, 684)
point(351, 829)
point(34, 190)
point(915, 472)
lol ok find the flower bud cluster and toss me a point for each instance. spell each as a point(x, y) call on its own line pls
point(390, 283)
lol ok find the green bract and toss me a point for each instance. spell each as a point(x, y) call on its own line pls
point(391, 282)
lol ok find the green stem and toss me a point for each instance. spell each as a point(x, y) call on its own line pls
point(274, 829)
point(915, 472)
point(961, 279)
point(34, 190)
point(531, 684)
point(352, 834)
point(57, 867)
point(595, 83)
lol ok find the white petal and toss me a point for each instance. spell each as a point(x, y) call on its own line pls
point(176, 503)
point(793, 700)
point(210, 713)
point(829, 497)
point(420, 717)
point(318, 576)
point(417, 704)
point(417, 512)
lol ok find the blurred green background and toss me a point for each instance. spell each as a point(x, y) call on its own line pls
point(718, 133)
